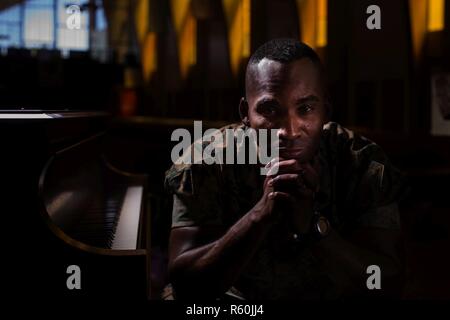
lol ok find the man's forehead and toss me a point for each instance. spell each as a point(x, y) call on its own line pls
point(270, 75)
point(267, 70)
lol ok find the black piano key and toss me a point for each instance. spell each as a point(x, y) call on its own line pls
point(98, 225)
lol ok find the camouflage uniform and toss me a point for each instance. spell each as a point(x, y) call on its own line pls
point(358, 187)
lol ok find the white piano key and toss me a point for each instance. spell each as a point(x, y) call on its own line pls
point(128, 224)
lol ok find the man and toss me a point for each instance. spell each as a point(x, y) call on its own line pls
point(309, 229)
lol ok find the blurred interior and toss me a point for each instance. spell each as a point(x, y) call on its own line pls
point(157, 65)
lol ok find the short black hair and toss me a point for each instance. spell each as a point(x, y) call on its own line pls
point(284, 50)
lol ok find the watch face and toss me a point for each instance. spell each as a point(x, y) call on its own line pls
point(323, 226)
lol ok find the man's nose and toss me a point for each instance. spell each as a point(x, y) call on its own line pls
point(289, 129)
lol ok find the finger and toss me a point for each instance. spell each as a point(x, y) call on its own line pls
point(279, 195)
point(286, 181)
point(310, 176)
point(284, 166)
point(268, 185)
point(273, 161)
point(293, 185)
point(268, 168)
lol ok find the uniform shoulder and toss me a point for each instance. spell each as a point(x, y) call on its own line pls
point(188, 163)
point(364, 171)
point(341, 142)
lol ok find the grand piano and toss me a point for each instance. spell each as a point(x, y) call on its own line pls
point(66, 204)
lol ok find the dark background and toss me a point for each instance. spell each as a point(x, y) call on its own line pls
point(379, 82)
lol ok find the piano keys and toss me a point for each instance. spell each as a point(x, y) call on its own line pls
point(93, 202)
point(125, 236)
point(67, 205)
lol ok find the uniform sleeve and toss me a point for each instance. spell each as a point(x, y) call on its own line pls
point(376, 189)
point(196, 195)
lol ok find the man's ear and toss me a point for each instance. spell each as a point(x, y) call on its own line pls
point(243, 111)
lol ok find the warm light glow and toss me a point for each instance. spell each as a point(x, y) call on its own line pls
point(146, 39)
point(186, 30)
point(417, 13)
point(435, 15)
point(149, 56)
point(321, 32)
point(142, 19)
point(128, 102)
point(237, 14)
point(313, 22)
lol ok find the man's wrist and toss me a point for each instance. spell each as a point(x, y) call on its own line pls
point(319, 229)
point(320, 226)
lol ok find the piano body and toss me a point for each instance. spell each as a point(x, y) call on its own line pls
point(67, 205)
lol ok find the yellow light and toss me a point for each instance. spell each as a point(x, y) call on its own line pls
point(186, 30)
point(313, 22)
point(246, 7)
point(149, 56)
point(142, 19)
point(321, 32)
point(237, 14)
point(418, 18)
point(188, 45)
point(435, 15)
point(147, 40)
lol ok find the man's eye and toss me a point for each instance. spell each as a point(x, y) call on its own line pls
point(267, 110)
point(305, 108)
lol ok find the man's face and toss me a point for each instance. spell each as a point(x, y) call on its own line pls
point(288, 97)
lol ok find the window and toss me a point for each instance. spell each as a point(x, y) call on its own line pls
point(72, 39)
point(38, 24)
point(10, 27)
point(43, 24)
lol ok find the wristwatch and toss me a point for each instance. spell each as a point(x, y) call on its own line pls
point(320, 227)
